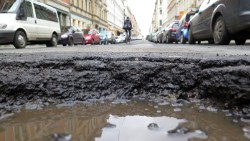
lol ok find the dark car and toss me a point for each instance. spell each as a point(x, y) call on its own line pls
point(71, 35)
point(182, 30)
point(169, 36)
point(220, 21)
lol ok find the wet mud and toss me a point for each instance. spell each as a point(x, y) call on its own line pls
point(47, 78)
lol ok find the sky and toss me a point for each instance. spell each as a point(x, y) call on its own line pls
point(143, 11)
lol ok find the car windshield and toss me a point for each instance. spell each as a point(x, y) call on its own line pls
point(176, 25)
point(102, 33)
point(91, 32)
point(85, 31)
point(9, 6)
point(65, 29)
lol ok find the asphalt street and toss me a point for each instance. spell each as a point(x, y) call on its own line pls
point(141, 68)
point(140, 46)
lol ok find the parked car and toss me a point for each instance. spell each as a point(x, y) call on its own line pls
point(220, 21)
point(182, 30)
point(104, 37)
point(71, 35)
point(160, 36)
point(139, 37)
point(28, 22)
point(111, 37)
point(91, 36)
point(169, 35)
point(151, 36)
point(154, 39)
point(120, 39)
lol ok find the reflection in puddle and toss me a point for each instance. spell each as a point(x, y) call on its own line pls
point(123, 121)
point(142, 128)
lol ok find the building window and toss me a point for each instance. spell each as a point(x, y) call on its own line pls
point(86, 4)
point(90, 6)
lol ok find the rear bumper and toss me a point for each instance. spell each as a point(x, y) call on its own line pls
point(64, 41)
point(173, 36)
point(6, 37)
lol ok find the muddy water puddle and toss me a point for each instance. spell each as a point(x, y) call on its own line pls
point(126, 121)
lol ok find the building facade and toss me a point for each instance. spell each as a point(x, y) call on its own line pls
point(157, 20)
point(177, 8)
point(172, 10)
point(115, 15)
point(98, 14)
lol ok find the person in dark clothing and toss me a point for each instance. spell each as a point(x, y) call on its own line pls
point(127, 26)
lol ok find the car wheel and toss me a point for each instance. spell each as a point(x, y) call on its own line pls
point(191, 39)
point(240, 41)
point(168, 41)
point(53, 42)
point(183, 40)
point(71, 42)
point(220, 33)
point(20, 40)
point(64, 44)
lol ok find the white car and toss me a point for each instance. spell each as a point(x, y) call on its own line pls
point(139, 37)
point(28, 21)
point(120, 39)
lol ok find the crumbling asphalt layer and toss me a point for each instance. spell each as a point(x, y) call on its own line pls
point(69, 76)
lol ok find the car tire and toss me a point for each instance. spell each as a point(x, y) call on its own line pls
point(168, 41)
point(53, 41)
point(71, 42)
point(191, 39)
point(64, 44)
point(20, 40)
point(220, 33)
point(240, 41)
point(183, 40)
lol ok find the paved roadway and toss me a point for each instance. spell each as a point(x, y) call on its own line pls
point(139, 46)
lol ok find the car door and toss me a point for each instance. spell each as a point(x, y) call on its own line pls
point(74, 34)
point(30, 22)
point(202, 22)
point(198, 20)
point(97, 35)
